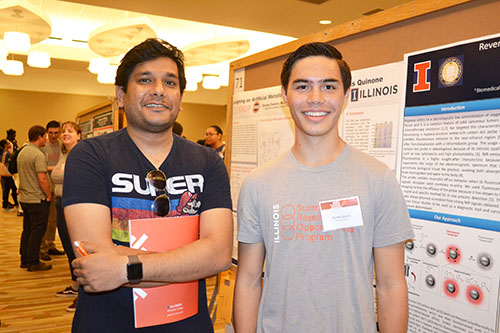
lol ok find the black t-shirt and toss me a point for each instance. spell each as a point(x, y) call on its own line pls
point(110, 170)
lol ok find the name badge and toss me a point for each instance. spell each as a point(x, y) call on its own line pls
point(341, 213)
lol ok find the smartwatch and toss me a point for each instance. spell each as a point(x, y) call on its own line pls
point(134, 269)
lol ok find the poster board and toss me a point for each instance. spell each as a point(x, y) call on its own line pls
point(450, 175)
point(375, 40)
point(372, 41)
point(101, 119)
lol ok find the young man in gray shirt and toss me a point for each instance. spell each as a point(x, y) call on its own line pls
point(323, 216)
point(35, 196)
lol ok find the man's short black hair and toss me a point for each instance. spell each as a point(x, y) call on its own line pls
point(35, 132)
point(311, 50)
point(52, 124)
point(150, 49)
point(177, 128)
point(3, 142)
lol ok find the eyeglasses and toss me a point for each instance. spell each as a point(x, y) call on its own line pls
point(158, 180)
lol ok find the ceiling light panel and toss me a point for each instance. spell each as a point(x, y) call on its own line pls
point(215, 50)
point(74, 21)
point(22, 16)
point(117, 38)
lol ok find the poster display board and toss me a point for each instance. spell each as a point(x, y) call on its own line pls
point(102, 123)
point(87, 130)
point(262, 129)
point(450, 175)
point(371, 121)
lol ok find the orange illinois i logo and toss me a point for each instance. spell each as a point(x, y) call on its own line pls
point(422, 80)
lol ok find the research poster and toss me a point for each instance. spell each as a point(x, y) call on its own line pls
point(103, 123)
point(87, 130)
point(371, 121)
point(262, 129)
point(450, 175)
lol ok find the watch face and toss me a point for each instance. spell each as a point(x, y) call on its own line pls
point(134, 272)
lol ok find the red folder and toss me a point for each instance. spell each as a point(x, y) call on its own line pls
point(174, 302)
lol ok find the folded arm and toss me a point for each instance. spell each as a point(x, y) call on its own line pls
point(105, 267)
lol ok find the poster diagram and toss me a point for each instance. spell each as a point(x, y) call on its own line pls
point(451, 273)
point(450, 176)
point(262, 129)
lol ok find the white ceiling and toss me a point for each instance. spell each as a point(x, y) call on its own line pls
point(182, 23)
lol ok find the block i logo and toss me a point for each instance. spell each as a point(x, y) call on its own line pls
point(422, 81)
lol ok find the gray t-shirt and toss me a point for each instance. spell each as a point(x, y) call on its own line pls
point(319, 281)
point(30, 162)
point(57, 175)
point(52, 152)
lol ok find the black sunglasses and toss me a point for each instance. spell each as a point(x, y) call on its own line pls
point(158, 180)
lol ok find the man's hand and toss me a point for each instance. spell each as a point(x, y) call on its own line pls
point(105, 268)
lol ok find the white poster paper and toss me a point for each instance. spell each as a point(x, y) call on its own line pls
point(450, 176)
point(371, 121)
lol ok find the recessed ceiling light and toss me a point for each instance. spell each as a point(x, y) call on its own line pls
point(325, 22)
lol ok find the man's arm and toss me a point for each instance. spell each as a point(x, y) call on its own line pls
point(105, 269)
point(205, 257)
point(43, 179)
point(248, 287)
point(392, 292)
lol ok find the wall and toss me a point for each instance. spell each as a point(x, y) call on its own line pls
point(21, 109)
point(195, 118)
point(72, 77)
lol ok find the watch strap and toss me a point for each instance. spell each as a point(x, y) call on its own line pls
point(133, 259)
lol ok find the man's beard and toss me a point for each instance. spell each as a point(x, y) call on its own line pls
point(138, 121)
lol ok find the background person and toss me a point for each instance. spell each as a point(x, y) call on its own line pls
point(213, 138)
point(71, 133)
point(8, 184)
point(11, 136)
point(35, 196)
point(52, 150)
point(177, 128)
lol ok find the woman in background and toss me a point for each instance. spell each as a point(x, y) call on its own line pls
point(71, 133)
point(213, 138)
